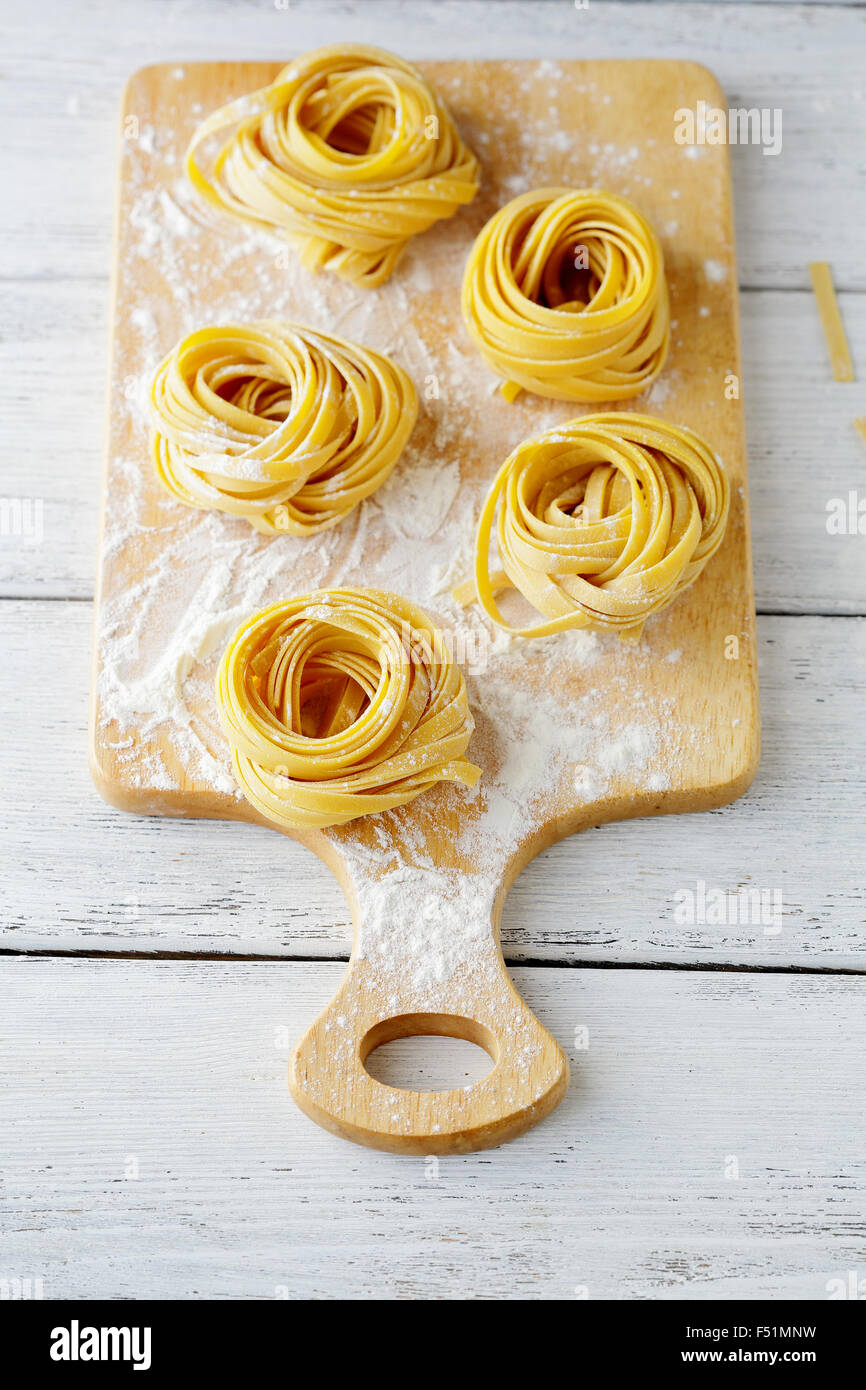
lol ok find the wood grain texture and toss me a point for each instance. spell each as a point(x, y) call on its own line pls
point(711, 1145)
point(639, 1218)
point(623, 103)
point(72, 63)
point(331, 1084)
point(702, 706)
point(795, 415)
point(62, 97)
point(119, 883)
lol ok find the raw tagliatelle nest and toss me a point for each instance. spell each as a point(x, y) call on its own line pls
point(600, 523)
point(276, 423)
point(564, 295)
point(348, 153)
point(341, 703)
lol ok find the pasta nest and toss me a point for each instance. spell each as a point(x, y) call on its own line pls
point(349, 153)
point(564, 294)
point(284, 426)
point(341, 703)
point(600, 523)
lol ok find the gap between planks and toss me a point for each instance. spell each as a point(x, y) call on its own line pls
point(525, 962)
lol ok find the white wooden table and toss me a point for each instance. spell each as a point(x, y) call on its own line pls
point(713, 1141)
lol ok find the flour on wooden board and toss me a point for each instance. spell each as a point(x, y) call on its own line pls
point(160, 640)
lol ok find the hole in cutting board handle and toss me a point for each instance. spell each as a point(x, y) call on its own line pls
point(399, 1052)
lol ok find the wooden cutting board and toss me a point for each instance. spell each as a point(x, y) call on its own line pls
point(571, 731)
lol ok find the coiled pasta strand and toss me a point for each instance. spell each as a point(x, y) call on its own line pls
point(349, 153)
point(600, 523)
point(341, 703)
point(284, 426)
point(564, 294)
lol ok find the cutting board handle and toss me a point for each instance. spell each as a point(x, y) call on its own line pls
point(330, 1083)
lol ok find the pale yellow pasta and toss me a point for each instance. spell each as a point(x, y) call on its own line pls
point(341, 703)
point(600, 523)
point(348, 153)
point(564, 294)
point(279, 424)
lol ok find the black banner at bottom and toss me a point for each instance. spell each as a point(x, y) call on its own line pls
point(152, 1338)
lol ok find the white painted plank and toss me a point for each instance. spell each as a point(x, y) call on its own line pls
point(53, 358)
point(65, 67)
point(82, 876)
point(180, 1069)
point(805, 456)
point(804, 450)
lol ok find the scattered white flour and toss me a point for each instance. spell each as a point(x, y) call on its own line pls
point(574, 717)
point(662, 389)
point(434, 923)
point(715, 272)
point(418, 497)
point(631, 748)
point(147, 139)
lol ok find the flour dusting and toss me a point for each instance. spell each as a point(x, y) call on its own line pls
point(565, 720)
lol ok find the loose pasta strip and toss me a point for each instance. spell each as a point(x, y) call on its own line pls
point(564, 294)
point(284, 426)
point(349, 153)
point(339, 704)
point(831, 320)
point(600, 523)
